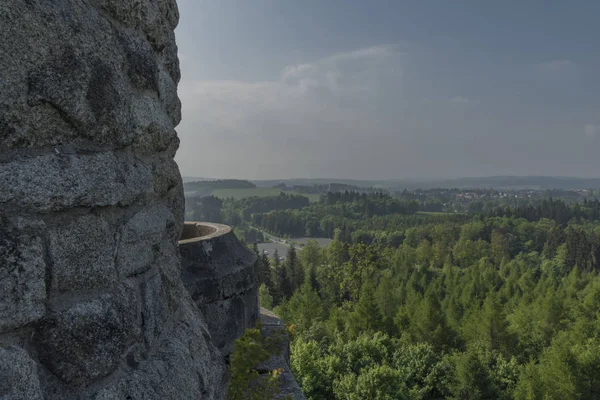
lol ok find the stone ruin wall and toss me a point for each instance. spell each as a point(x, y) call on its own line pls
point(91, 207)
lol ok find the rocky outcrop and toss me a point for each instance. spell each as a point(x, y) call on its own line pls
point(91, 207)
point(273, 326)
point(220, 274)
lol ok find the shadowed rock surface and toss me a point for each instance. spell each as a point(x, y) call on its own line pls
point(91, 207)
point(220, 274)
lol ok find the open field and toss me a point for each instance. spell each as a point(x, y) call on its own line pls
point(438, 213)
point(258, 192)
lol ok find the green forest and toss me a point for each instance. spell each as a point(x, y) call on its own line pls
point(483, 308)
point(503, 303)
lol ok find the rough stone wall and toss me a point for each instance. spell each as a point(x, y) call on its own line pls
point(220, 274)
point(91, 207)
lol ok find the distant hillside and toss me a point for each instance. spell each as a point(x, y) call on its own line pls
point(205, 188)
point(496, 182)
point(319, 181)
point(504, 182)
point(195, 179)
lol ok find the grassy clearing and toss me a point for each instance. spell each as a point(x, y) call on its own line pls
point(257, 192)
point(439, 213)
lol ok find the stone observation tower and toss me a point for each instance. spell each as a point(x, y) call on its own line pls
point(92, 301)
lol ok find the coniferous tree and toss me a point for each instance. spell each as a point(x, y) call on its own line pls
point(279, 279)
point(265, 272)
point(294, 268)
point(266, 300)
point(366, 316)
point(428, 323)
point(493, 327)
point(304, 308)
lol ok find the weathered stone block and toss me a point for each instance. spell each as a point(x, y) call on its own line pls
point(140, 240)
point(168, 95)
point(18, 375)
point(166, 175)
point(155, 309)
point(55, 182)
point(154, 131)
point(82, 254)
point(175, 200)
point(186, 365)
point(88, 341)
point(66, 72)
point(143, 68)
point(125, 11)
point(22, 274)
point(160, 17)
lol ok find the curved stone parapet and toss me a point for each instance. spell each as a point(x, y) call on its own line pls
point(220, 274)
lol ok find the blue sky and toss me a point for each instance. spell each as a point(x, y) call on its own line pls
point(389, 89)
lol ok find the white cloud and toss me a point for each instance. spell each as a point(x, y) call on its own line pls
point(325, 101)
point(292, 72)
point(340, 73)
point(459, 100)
point(556, 65)
point(373, 52)
point(310, 92)
point(591, 130)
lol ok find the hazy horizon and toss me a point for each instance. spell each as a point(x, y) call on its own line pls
point(379, 90)
point(407, 179)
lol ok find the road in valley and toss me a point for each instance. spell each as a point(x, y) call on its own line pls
point(282, 245)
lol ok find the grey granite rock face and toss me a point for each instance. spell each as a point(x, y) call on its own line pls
point(140, 240)
point(22, 273)
point(91, 207)
point(59, 181)
point(180, 368)
point(81, 253)
point(18, 375)
point(88, 340)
